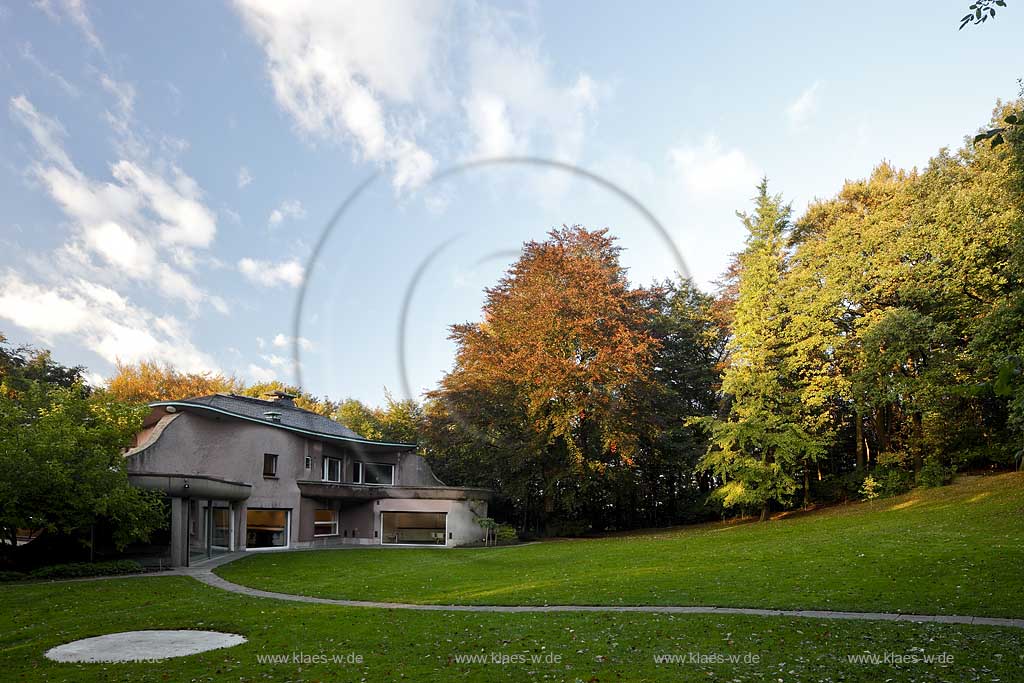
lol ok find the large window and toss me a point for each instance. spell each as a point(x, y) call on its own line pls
point(266, 528)
point(325, 523)
point(413, 528)
point(332, 469)
point(269, 465)
point(379, 474)
point(221, 527)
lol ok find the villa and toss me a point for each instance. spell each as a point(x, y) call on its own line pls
point(246, 473)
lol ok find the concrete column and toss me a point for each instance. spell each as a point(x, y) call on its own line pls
point(179, 532)
point(239, 510)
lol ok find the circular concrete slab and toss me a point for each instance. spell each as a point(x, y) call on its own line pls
point(141, 646)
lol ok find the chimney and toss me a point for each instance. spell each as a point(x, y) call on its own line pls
point(283, 398)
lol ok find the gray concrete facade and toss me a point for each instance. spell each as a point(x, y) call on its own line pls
point(243, 473)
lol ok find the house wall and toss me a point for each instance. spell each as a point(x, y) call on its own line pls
point(230, 449)
point(233, 450)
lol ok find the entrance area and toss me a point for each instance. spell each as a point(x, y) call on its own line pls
point(266, 528)
point(413, 528)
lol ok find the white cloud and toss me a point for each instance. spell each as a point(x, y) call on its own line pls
point(132, 222)
point(42, 311)
point(709, 170)
point(515, 104)
point(270, 274)
point(334, 67)
point(381, 74)
point(95, 380)
point(801, 109)
point(282, 340)
point(244, 177)
point(290, 208)
point(29, 56)
point(123, 93)
point(75, 11)
point(184, 220)
point(46, 132)
point(277, 361)
point(259, 373)
point(488, 119)
point(120, 248)
point(101, 319)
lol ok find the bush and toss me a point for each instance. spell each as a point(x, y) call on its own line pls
point(11, 576)
point(76, 570)
point(870, 488)
point(838, 488)
point(894, 481)
point(933, 473)
point(506, 533)
point(567, 528)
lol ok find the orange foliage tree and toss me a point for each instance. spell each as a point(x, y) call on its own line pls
point(552, 380)
point(148, 381)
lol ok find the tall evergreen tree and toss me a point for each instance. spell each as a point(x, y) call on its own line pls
point(758, 449)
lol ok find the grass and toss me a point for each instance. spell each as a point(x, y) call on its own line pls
point(397, 645)
point(952, 550)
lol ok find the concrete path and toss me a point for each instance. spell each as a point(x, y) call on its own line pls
point(204, 574)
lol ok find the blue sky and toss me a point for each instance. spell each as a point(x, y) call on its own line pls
point(166, 170)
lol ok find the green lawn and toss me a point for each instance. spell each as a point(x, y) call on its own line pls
point(397, 645)
point(953, 550)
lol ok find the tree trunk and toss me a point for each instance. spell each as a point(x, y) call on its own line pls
point(882, 421)
point(764, 512)
point(859, 431)
point(807, 485)
point(918, 446)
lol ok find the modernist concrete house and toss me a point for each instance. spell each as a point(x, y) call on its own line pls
point(246, 474)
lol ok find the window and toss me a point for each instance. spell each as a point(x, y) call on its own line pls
point(269, 465)
point(221, 527)
point(266, 528)
point(375, 473)
point(309, 463)
point(325, 523)
point(332, 469)
point(413, 528)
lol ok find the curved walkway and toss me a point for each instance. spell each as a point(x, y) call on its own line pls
point(204, 574)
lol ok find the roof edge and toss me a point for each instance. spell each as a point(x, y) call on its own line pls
point(278, 425)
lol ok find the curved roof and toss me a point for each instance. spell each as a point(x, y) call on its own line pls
point(291, 417)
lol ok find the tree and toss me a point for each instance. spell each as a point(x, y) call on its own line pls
point(684, 384)
point(321, 406)
point(549, 383)
point(360, 418)
point(60, 457)
point(149, 381)
point(757, 449)
point(398, 421)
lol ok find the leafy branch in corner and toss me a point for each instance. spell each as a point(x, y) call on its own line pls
point(981, 11)
point(995, 135)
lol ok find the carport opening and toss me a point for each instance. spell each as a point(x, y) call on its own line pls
point(414, 528)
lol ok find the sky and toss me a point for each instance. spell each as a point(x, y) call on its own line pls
point(168, 170)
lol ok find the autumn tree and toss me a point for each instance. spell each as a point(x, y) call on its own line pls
point(303, 399)
point(149, 381)
point(549, 382)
